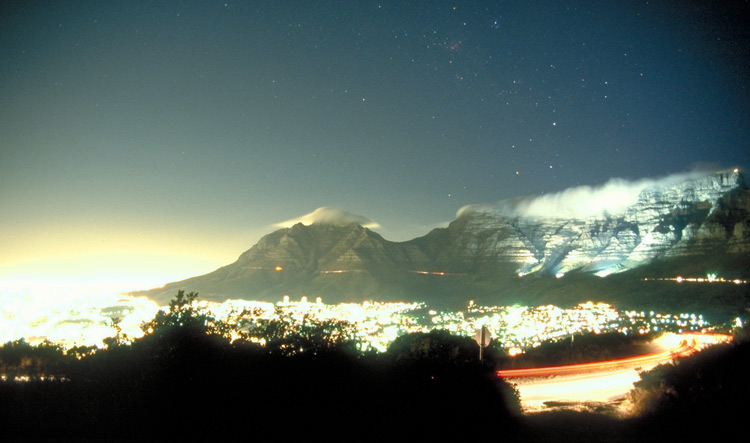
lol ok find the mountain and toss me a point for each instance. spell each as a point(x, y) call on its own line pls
point(555, 249)
point(688, 217)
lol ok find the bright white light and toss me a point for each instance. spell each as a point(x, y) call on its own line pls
point(69, 314)
point(515, 351)
point(590, 387)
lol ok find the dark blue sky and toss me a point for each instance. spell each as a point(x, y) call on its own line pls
point(187, 129)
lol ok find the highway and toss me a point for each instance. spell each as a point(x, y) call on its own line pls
point(607, 381)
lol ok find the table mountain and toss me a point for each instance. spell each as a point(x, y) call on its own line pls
point(513, 252)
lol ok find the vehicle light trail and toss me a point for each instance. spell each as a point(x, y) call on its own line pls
point(603, 381)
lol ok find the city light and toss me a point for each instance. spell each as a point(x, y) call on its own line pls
point(89, 319)
point(709, 278)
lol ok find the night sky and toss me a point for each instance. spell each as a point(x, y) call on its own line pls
point(159, 140)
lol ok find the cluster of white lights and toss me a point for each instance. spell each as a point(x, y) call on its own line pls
point(710, 278)
point(87, 320)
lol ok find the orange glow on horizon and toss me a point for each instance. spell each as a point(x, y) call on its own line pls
point(117, 271)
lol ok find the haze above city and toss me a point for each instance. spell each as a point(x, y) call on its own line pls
point(148, 142)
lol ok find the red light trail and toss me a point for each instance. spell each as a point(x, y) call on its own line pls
point(601, 381)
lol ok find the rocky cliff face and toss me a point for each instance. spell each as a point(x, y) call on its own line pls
point(481, 254)
point(681, 218)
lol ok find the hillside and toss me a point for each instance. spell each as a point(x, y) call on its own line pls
point(502, 255)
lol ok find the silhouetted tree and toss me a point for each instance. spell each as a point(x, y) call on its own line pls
point(709, 390)
point(20, 359)
point(184, 313)
point(286, 336)
point(438, 345)
point(176, 382)
point(436, 380)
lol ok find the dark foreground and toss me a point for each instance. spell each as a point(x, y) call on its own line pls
point(204, 392)
point(186, 380)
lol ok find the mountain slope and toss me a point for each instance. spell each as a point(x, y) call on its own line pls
point(510, 253)
point(321, 260)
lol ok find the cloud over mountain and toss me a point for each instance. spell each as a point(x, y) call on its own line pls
point(613, 197)
point(691, 226)
point(332, 216)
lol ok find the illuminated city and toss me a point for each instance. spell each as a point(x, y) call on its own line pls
point(376, 324)
point(374, 221)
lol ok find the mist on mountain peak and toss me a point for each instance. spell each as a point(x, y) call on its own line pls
point(580, 202)
point(329, 216)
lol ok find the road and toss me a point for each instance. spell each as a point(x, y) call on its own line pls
point(607, 381)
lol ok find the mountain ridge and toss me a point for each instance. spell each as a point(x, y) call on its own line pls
point(489, 255)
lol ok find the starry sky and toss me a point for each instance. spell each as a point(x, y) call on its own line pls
point(154, 141)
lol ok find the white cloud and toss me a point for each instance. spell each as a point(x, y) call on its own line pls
point(584, 201)
point(613, 197)
point(333, 216)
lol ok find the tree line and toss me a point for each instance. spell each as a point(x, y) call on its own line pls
point(192, 376)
